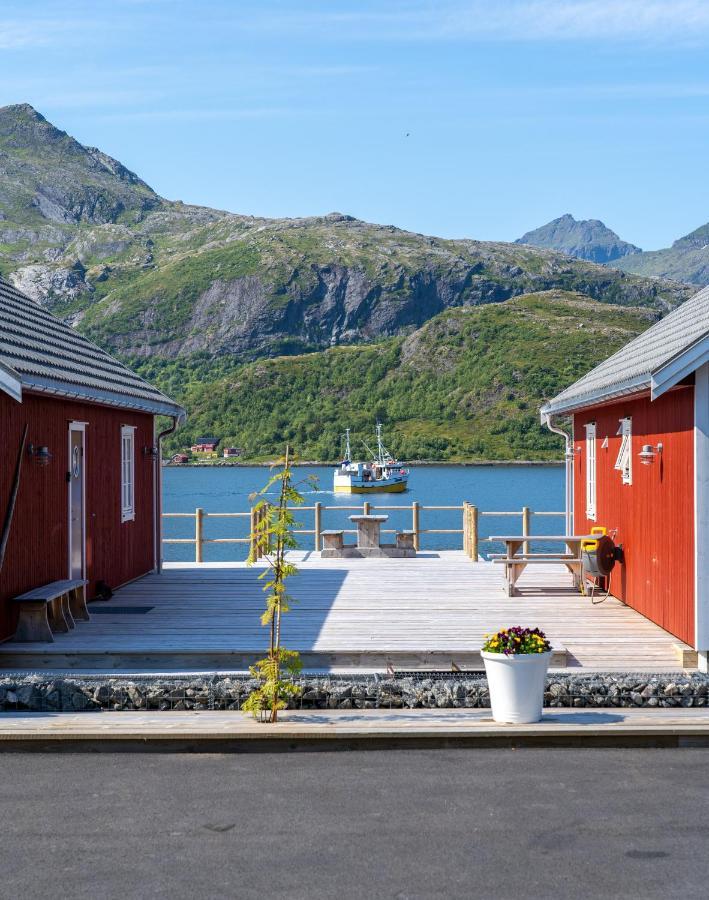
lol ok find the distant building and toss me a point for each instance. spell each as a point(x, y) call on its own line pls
point(233, 452)
point(205, 445)
point(180, 458)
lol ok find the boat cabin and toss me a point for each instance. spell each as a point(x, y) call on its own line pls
point(638, 466)
point(80, 471)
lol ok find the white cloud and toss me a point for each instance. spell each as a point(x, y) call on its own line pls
point(495, 20)
point(564, 20)
point(18, 35)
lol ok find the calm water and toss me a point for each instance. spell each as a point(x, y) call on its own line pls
point(494, 488)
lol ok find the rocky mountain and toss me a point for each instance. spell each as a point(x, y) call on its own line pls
point(147, 277)
point(686, 260)
point(586, 239)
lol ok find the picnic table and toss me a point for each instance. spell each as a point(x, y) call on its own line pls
point(515, 562)
point(368, 530)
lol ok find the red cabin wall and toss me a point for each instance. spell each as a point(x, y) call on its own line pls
point(37, 551)
point(654, 516)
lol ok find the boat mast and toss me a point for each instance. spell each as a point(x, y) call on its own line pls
point(380, 445)
point(348, 451)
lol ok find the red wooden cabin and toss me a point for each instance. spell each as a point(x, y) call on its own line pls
point(88, 499)
point(205, 445)
point(638, 464)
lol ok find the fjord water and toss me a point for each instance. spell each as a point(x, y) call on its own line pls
point(490, 488)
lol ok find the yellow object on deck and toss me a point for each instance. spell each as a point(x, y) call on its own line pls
point(591, 545)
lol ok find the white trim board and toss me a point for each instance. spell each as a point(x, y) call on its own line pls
point(10, 383)
point(672, 372)
point(701, 508)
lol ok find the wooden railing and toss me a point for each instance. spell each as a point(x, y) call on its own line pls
point(470, 525)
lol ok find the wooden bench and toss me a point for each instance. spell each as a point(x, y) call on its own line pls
point(332, 539)
point(405, 540)
point(515, 565)
point(49, 609)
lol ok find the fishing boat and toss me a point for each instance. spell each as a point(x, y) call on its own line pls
point(384, 473)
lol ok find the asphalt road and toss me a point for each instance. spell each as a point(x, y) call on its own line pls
point(395, 824)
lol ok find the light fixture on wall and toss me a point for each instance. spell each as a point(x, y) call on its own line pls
point(648, 453)
point(39, 455)
point(150, 451)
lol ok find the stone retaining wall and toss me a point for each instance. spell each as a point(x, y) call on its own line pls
point(417, 690)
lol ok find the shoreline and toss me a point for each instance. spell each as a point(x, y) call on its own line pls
point(225, 464)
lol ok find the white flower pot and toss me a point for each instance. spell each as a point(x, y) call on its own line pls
point(516, 684)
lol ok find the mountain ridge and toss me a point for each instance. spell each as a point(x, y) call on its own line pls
point(586, 239)
point(147, 276)
point(257, 324)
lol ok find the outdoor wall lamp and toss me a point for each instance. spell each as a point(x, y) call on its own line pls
point(150, 451)
point(39, 455)
point(648, 453)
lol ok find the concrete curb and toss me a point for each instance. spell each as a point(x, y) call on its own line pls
point(343, 730)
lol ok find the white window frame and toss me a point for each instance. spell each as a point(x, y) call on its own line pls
point(591, 471)
point(624, 462)
point(127, 473)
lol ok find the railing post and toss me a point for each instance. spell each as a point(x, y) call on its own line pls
point(466, 522)
point(415, 524)
point(365, 508)
point(198, 519)
point(252, 532)
point(473, 532)
point(317, 526)
point(526, 518)
point(262, 516)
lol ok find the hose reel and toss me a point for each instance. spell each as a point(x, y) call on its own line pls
point(599, 557)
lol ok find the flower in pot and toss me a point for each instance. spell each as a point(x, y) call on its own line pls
point(516, 662)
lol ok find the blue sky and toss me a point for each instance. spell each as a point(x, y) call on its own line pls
point(475, 118)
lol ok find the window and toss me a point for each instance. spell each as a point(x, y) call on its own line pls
point(591, 471)
point(127, 473)
point(624, 462)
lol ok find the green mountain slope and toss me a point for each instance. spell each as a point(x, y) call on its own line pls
point(686, 260)
point(587, 239)
point(466, 385)
point(146, 277)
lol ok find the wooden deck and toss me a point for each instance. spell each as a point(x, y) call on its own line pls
point(430, 612)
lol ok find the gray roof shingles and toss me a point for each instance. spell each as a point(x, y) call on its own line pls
point(631, 368)
point(48, 355)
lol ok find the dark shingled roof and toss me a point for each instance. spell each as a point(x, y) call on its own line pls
point(46, 355)
point(639, 366)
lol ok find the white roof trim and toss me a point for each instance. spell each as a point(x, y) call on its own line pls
point(593, 398)
point(97, 395)
point(676, 369)
point(10, 383)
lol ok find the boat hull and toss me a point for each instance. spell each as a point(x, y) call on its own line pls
point(374, 487)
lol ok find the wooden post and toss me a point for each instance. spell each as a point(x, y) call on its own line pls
point(198, 520)
point(365, 508)
point(262, 516)
point(473, 529)
point(317, 526)
point(252, 533)
point(526, 518)
point(466, 531)
point(415, 524)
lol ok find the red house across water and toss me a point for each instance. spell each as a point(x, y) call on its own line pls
point(87, 504)
point(638, 465)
